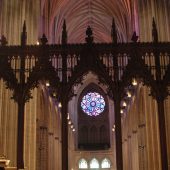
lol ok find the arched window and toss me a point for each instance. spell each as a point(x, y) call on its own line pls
point(105, 163)
point(94, 163)
point(83, 164)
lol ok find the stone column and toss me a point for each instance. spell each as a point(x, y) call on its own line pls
point(167, 119)
point(64, 135)
point(20, 138)
point(118, 132)
point(162, 133)
point(43, 148)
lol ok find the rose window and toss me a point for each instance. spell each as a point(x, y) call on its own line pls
point(93, 104)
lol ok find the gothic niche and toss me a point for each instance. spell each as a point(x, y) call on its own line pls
point(93, 119)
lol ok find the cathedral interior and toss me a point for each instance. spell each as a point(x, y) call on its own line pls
point(84, 84)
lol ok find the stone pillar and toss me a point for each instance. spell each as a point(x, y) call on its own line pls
point(64, 135)
point(20, 138)
point(135, 156)
point(118, 132)
point(43, 148)
point(125, 157)
point(167, 119)
point(142, 147)
point(50, 151)
point(162, 130)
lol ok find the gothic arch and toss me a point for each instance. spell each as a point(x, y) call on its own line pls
point(89, 62)
point(105, 163)
point(137, 68)
point(97, 138)
point(94, 163)
point(92, 86)
point(82, 163)
point(39, 72)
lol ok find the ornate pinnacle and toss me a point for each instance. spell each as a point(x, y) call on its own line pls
point(24, 26)
point(44, 40)
point(154, 31)
point(114, 32)
point(134, 37)
point(89, 33)
point(24, 35)
point(3, 40)
point(64, 33)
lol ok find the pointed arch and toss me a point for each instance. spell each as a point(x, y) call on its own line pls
point(81, 70)
point(137, 68)
point(41, 72)
point(92, 118)
point(105, 163)
point(94, 163)
point(83, 163)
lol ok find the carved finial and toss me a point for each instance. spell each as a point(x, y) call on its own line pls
point(3, 40)
point(114, 32)
point(24, 26)
point(24, 35)
point(64, 33)
point(154, 31)
point(134, 37)
point(44, 40)
point(89, 33)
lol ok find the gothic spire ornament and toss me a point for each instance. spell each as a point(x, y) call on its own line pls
point(114, 32)
point(154, 31)
point(64, 33)
point(3, 40)
point(134, 37)
point(89, 33)
point(44, 39)
point(24, 35)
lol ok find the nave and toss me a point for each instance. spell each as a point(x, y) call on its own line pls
point(84, 85)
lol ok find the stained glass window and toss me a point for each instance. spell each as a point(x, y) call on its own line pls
point(93, 104)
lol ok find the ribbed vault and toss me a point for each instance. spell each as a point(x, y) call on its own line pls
point(96, 13)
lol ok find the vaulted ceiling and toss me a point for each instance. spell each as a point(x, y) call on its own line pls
point(81, 13)
point(47, 16)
